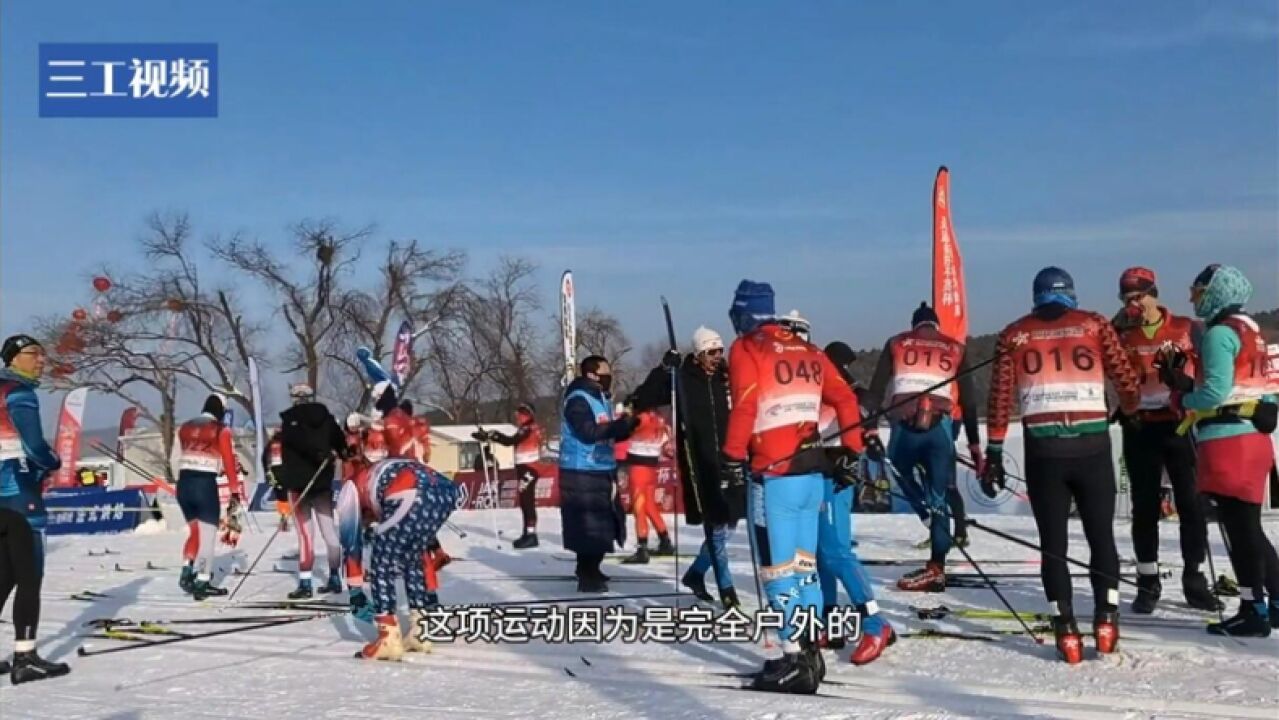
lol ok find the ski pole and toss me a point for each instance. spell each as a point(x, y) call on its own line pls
point(82, 652)
point(936, 515)
point(490, 486)
point(107, 623)
point(869, 420)
point(293, 508)
point(972, 465)
point(677, 415)
point(451, 526)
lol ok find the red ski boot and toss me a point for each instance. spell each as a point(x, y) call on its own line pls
point(1105, 630)
point(872, 645)
point(931, 578)
point(1070, 643)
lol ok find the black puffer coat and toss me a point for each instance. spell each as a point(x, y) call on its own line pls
point(703, 419)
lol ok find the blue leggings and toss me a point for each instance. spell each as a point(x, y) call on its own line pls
point(787, 546)
point(934, 450)
point(836, 559)
point(714, 555)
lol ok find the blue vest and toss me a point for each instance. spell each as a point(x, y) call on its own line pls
point(578, 455)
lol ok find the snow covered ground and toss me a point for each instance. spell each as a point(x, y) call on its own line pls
point(306, 670)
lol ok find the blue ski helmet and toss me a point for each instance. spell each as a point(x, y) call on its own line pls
point(752, 305)
point(1054, 285)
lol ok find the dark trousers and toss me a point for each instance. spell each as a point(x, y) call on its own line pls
point(20, 568)
point(527, 476)
point(1251, 553)
point(1149, 451)
point(1089, 480)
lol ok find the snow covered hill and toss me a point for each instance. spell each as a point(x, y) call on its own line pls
point(306, 670)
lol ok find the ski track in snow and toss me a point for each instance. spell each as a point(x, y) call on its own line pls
point(306, 670)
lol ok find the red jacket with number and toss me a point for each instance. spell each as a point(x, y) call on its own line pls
point(1055, 362)
point(1155, 397)
point(204, 445)
point(779, 383)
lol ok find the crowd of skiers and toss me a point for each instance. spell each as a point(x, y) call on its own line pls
point(773, 430)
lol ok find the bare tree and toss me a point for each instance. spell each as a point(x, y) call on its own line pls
point(415, 284)
point(119, 357)
point(313, 302)
point(599, 333)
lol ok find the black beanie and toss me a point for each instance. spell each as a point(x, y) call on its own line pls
point(214, 406)
point(924, 314)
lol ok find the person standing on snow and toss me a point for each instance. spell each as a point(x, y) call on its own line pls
point(916, 376)
point(1152, 445)
point(779, 383)
point(312, 441)
point(645, 449)
point(1055, 362)
point(25, 460)
point(590, 509)
point(527, 442)
point(837, 561)
point(203, 452)
point(406, 503)
point(1231, 404)
point(703, 407)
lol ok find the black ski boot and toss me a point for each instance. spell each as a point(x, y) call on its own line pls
point(1198, 595)
point(5, 667)
point(303, 591)
point(697, 584)
point(186, 581)
point(1252, 620)
point(525, 541)
point(640, 557)
point(1274, 614)
point(28, 666)
point(664, 546)
point(591, 584)
point(334, 584)
point(204, 589)
point(812, 655)
point(1149, 588)
point(791, 673)
point(728, 598)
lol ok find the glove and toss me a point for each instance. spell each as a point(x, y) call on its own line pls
point(732, 473)
point(626, 425)
point(360, 607)
point(230, 527)
point(979, 460)
point(848, 471)
point(671, 359)
point(874, 448)
point(1170, 361)
point(481, 435)
point(992, 478)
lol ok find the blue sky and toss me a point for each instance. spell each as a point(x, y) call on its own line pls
point(674, 148)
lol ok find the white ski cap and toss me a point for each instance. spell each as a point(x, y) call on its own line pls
point(705, 339)
point(301, 390)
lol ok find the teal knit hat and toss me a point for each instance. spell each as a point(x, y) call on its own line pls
point(1223, 286)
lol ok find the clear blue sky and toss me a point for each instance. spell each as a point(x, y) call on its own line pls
point(677, 147)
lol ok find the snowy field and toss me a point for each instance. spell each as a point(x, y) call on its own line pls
point(306, 670)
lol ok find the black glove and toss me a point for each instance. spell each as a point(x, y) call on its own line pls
point(624, 426)
point(848, 471)
point(671, 359)
point(874, 448)
point(481, 435)
point(993, 479)
point(732, 473)
point(1170, 361)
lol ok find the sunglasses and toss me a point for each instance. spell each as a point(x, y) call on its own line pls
point(714, 353)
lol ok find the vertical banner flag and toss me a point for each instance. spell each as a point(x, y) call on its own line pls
point(402, 360)
point(67, 442)
point(950, 298)
point(128, 419)
point(568, 327)
point(259, 431)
